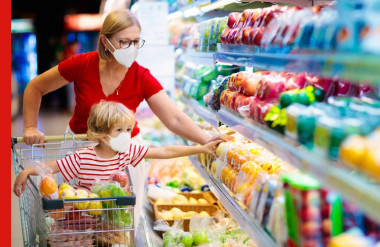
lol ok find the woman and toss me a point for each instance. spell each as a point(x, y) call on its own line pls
point(110, 73)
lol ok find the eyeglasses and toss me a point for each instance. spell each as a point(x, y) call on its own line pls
point(127, 43)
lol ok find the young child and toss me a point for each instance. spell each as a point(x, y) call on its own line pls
point(110, 124)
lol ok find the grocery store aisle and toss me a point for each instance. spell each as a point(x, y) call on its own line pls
point(50, 124)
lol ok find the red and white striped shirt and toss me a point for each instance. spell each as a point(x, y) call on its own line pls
point(85, 165)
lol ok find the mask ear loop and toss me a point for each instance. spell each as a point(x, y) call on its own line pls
point(109, 42)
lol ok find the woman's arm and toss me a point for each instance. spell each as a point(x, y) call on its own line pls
point(169, 152)
point(175, 120)
point(39, 86)
point(23, 176)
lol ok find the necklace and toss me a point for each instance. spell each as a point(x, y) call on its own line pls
point(117, 88)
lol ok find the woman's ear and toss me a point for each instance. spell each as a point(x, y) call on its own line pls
point(104, 41)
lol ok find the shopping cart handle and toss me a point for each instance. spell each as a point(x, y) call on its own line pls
point(51, 138)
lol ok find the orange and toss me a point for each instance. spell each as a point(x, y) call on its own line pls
point(353, 149)
point(48, 186)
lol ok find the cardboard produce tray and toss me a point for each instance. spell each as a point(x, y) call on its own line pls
point(208, 196)
point(210, 209)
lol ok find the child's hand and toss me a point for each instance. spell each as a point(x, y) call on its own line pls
point(20, 182)
point(210, 147)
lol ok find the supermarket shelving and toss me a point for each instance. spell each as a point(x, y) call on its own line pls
point(249, 225)
point(352, 67)
point(203, 58)
point(356, 67)
point(354, 187)
point(201, 7)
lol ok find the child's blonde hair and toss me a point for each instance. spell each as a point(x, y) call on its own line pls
point(104, 116)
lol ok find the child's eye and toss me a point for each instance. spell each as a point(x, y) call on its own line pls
point(119, 130)
point(129, 130)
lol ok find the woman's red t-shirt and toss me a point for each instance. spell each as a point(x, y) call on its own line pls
point(83, 71)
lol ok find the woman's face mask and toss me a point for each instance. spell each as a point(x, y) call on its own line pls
point(125, 56)
point(120, 143)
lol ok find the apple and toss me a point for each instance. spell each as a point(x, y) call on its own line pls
point(256, 35)
point(253, 18)
point(187, 239)
point(310, 229)
point(345, 88)
point(246, 32)
point(233, 19)
point(253, 107)
point(222, 96)
point(244, 106)
point(240, 77)
point(233, 100)
point(239, 36)
point(310, 213)
point(272, 89)
point(120, 177)
point(225, 34)
point(365, 89)
point(245, 16)
point(316, 9)
point(324, 84)
point(227, 98)
point(231, 36)
point(238, 102)
point(200, 237)
point(231, 82)
point(249, 85)
point(326, 226)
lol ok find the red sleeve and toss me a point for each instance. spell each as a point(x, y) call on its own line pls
point(68, 68)
point(150, 85)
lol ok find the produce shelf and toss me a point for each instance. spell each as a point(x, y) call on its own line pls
point(249, 225)
point(203, 58)
point(352, 67)
point(353, 186)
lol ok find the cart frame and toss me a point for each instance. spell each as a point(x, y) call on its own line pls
point(68, 222)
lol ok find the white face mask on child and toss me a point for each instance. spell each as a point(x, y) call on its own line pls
point(120, 143)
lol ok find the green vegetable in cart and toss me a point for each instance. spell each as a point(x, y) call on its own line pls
point(174, 183)
point(200, 237)
point(187, 239)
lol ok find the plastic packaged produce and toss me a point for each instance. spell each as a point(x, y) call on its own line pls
point(303, 209)
point(48, 186)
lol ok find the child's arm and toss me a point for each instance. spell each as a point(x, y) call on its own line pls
point(180, 151)
point(23, 176)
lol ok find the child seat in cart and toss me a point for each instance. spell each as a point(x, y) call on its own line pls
point(69, 222)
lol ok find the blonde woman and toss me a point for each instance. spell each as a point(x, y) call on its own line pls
point(110, 73)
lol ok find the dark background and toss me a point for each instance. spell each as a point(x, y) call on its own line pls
point(48, 17)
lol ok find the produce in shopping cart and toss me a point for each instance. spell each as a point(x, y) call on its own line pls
point(94, 205)
point(81, 194)
point(66, 191)
point(48, 186)
point(121, 177)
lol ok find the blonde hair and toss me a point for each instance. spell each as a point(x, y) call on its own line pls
point(104, 116)
point(115, 21)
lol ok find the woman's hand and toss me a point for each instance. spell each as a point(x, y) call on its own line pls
point(33, 136)
point(210, 148)
point(20, 182)
point(224, 138)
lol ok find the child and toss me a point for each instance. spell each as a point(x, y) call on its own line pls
point(110, 124)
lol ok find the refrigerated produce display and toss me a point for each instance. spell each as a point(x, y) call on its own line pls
point(296, 86)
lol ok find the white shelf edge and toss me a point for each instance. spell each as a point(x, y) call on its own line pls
point(249, 225)
point(352, 187)
point(204, 58)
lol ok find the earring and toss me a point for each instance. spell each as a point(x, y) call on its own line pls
point(106, 49)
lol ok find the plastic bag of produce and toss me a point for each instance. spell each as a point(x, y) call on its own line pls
point(48, 186)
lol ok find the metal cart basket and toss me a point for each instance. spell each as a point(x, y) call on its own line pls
point(108, 222)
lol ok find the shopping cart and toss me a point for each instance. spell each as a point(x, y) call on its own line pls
point(69, 222)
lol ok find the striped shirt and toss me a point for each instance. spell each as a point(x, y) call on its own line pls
point(88, 168)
